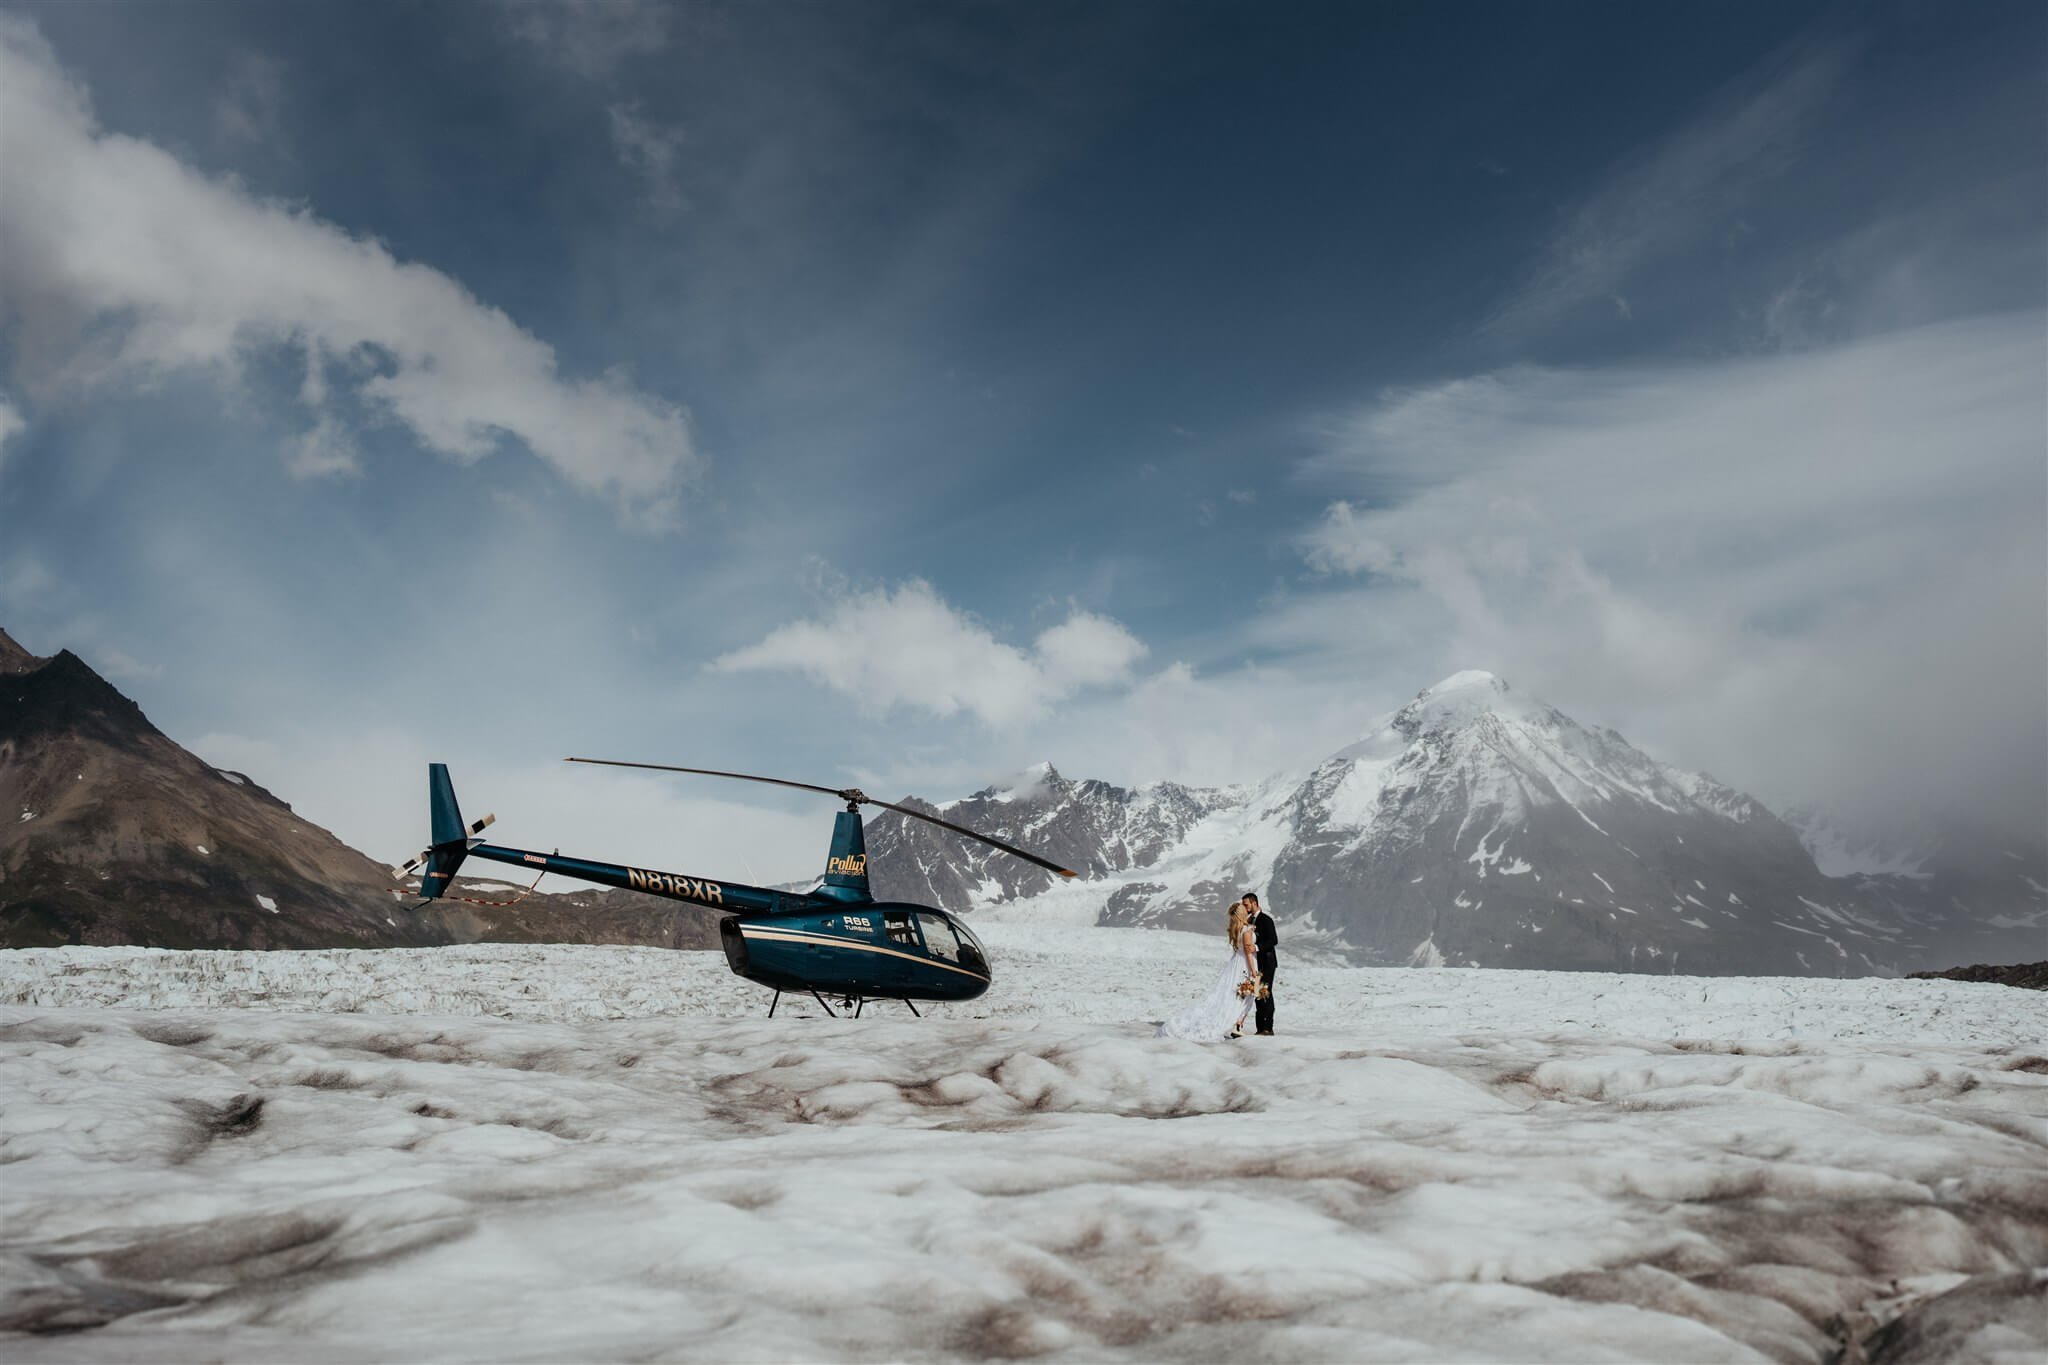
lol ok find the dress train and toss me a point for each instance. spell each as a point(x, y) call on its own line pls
point(1218, 1014)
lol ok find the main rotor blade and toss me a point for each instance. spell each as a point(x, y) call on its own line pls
point(1012, 849)
point(845, 794)
point(853, 794)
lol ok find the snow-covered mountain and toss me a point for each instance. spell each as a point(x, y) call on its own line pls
point(1475, 825)
point(1980, 896)
point(1842, 847)
point(1100, 830)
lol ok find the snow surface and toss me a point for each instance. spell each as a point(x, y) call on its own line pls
point(518, 1152)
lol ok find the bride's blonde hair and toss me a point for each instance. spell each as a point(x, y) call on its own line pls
point(1240, 915)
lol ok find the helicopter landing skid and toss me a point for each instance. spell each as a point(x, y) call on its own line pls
point(857, 1002)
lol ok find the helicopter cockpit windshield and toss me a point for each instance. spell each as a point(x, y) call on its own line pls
point(972, 956)
point(952, 941)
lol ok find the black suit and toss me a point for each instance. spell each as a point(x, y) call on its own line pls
point(1267, 939)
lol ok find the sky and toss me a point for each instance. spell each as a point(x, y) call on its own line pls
point(901, 395)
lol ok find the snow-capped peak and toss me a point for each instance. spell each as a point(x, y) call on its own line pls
point(1023, 786)
point(1462, 698)
point(1467, 680)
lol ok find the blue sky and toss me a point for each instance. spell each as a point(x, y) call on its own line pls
point(903, 394)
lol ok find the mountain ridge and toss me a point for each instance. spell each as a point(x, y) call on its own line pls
point(1473, 825)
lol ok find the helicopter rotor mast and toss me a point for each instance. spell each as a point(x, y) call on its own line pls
point(854, 798)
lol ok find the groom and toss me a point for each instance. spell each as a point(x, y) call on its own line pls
point(1267, 940)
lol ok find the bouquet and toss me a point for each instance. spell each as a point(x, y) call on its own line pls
point(1250, 987)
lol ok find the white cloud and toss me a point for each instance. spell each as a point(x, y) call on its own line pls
point(1820, 574)
point(1684, 191)
point(909, 647)
point(650, 150)
point(119, 264)
point(1206, 725)
point(1086, 650)
point(592, 37)
point(1211, 727)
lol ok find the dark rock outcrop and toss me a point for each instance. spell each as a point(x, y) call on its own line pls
point(2031, 976)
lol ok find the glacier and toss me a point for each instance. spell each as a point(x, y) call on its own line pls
point(521, 1152)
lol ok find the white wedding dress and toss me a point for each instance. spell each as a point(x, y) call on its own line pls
point(1218, 1014)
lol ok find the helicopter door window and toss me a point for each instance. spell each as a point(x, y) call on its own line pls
point(939, 939)
point(896, 923)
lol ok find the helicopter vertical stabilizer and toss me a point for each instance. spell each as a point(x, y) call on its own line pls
point(846, 867)
point(441, 808)
point(451, 840)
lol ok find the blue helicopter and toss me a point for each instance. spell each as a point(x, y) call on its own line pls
point(835, 939)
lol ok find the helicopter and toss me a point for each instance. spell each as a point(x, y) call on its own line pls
point(835, 939)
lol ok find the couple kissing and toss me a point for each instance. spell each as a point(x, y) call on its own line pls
point(1244, 990)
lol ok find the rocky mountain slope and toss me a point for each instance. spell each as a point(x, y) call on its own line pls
point(1476, 825)
point(112, 833)
point(1099, 830)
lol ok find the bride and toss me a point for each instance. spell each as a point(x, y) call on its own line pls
point(1221, 1013)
